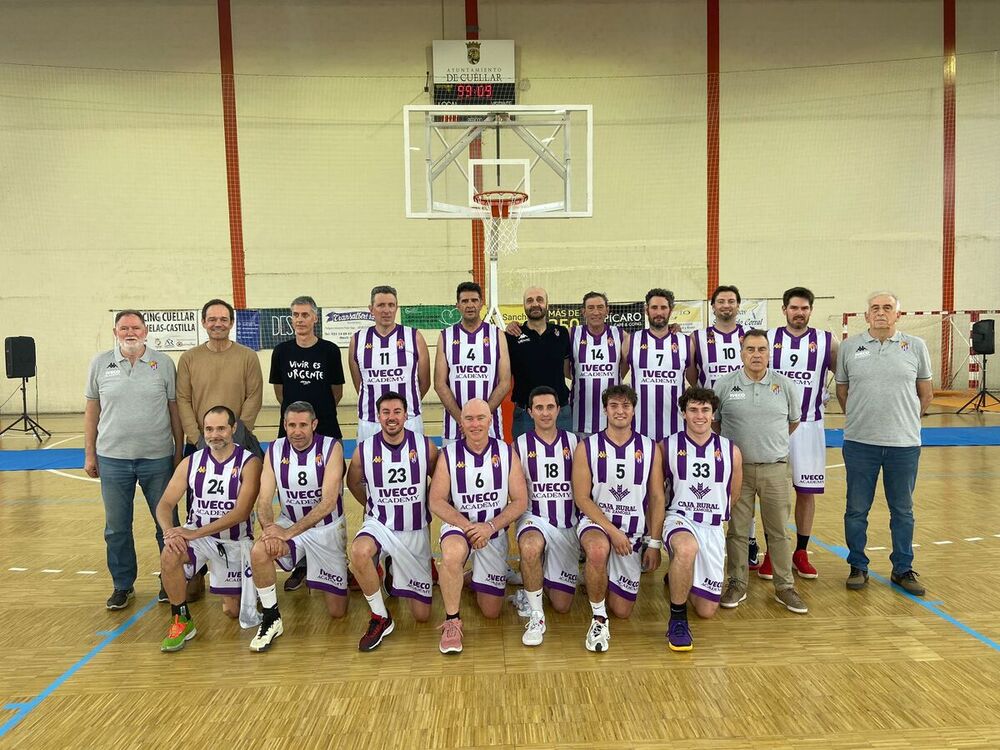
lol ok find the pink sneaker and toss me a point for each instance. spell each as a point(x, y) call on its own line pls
point(451, 637)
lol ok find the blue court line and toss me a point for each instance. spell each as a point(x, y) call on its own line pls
point(931, 606)
point(23, 709)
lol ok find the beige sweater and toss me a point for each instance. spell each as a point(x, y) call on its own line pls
point(205, 379)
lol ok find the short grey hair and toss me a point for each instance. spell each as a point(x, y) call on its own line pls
point(301, 407)
point(383, 289)
point(305, 299)
point(882, 293)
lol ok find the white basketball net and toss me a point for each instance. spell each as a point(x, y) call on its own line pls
point(501, 216)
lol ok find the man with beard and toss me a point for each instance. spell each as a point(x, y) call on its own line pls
point(657, 360)
point(804, 355)
point(132, 434)
point(539, 351)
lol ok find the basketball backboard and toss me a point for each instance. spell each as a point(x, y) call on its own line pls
point(453, 152)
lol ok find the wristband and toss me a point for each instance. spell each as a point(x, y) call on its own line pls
point(655, 544)
point(492, 526)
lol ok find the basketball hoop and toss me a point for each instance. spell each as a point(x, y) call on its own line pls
point(501, 216)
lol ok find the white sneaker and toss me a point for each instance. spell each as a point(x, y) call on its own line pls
point(264, 637)
point(598, 636)
point(513, 577)
point(520, 602)
point(534, 630)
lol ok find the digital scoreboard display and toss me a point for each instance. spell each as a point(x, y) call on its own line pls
point(468, 72)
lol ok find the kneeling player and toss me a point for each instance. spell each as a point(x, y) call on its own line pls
point(388, 476)
point(469, 493)
point(221, 482)
point(307, 470)
point(704, 471)
point(546, 537)
point(618, 486)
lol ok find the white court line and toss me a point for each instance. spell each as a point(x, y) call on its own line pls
point(63, 473)
point(874, 549)
point(943, 542)
point(86, 572)
point(51, 570)
point(835, 466)
point(18, 570)
point(914, 545)
point(973, 539)
point(60, 442)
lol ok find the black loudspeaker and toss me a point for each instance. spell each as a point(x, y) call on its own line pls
point(19, 353)
point(982, 337)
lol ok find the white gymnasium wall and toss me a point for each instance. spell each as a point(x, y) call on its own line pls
point(114, 180)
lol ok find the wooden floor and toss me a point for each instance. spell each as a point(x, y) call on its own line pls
point(871, 669)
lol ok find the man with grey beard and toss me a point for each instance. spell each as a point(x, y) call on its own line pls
point(132, 435)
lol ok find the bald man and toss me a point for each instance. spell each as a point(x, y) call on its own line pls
point(539, 355)
point(477, 491)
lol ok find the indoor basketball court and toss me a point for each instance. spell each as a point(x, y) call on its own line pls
point(159, 155)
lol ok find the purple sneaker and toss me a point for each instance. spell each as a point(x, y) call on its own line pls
point(679, 636)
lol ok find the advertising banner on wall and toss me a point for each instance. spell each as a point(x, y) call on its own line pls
point(429, 317)
point(753, 313)
point(340, 323)
point(248, 328)
point(628, 315)
point(172, 330)
point(689, 315)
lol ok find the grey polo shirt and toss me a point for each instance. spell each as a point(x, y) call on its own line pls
point(134, 421)
point(882, 403)
point(755, 414)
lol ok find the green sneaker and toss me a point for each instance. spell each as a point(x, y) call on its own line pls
point(181, 629)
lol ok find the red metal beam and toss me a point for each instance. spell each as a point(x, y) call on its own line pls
point(712, 143)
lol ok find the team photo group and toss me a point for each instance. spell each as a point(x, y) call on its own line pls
point(629, 450)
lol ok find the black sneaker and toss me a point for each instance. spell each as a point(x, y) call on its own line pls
point(908, 582)
point(753, 556)
point(119, 599)
point(162, 596)
point(296, 579)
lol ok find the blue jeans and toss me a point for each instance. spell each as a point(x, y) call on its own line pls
point(523, 421)
point(899, 476)
point(118, 479)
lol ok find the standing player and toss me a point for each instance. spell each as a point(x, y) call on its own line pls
point(804, 355)
point(618, 486)
point(546, 537)
point(221, 483)
point(478, 490)
point(704, 472)
point(306, 469)
point(472, 363)
point(387, 357)
point(657, 361)
point(388, 476)
point(597, 362)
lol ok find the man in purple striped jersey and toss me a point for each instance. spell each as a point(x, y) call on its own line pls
point(472, 362)
point(478, 490)
point(805, 356)
point(618, 487)
point(597, 362)
point(221, 482)
point(656, 362)
point(306, 470)
point(546, 535)
point(388, 357)
point(388, 476)
point(703, 472)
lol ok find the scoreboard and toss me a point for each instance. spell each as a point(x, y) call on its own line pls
point(474, 72)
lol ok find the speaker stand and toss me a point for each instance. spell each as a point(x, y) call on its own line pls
point(30, 425)
point(980, 401)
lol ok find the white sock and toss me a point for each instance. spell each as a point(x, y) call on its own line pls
point(599, 609)
point(268, 596)
point(535, 600)
point(753, 527)
point(377, 603)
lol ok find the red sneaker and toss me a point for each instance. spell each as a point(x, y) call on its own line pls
point(800, 561)
point(765, 570)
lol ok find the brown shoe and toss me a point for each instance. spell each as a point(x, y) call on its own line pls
point(735, 592)
point(792, 601)
point(908, 582)
point(858, 579)
point(196, 588)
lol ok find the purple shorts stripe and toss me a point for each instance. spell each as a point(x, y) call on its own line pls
point(225, 591)
point(593, 528)
point(378, 544)
point(809, 490)
point(407, 594)
point(483, 588)
point(526, 529)
point(675, 530)
point(622, 592)
point(328, 588)
point(695, 591)
point(559, 586)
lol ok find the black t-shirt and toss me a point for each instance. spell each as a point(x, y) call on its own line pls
point(307, 375)
point(537, 359)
